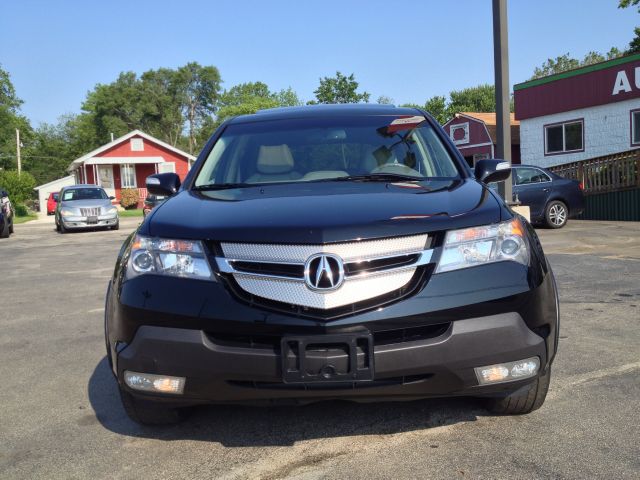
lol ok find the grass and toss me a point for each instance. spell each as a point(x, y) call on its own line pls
point(131, 213)
point(28, 218)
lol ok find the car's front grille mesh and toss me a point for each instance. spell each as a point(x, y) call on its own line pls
point(372, 268)
point(90, 212)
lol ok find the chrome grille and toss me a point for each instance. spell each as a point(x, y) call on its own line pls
point(372, 268)
point(90, 212)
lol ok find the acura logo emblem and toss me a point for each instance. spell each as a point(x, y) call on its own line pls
point(324, 271)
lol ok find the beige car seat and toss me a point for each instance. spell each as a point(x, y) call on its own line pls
point(275, 163)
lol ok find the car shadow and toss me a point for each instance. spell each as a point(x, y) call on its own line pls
point(246, 426)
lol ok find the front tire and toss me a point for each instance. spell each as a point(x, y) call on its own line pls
point(556, 214)
point(148, 412)
point(524, 400)
point(116, 226)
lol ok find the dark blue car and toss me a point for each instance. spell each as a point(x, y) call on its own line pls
point(551, 198)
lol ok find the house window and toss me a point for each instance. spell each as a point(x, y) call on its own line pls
point(137, 145)
point(564, 137)
point(635, 127)
point(459, 133)
point(480, 156)
point(167, 167)
point(128, 175)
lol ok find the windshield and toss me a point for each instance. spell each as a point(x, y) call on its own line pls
point(317, 149)
point(84, 194)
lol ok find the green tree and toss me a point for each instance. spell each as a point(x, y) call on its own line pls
point(565, 62)
point(288, 98)
point(628, 3)
point(19, 186)
point(385, 100)
point(10, 120)
point(339, 89)
point(162, 107)
point(474, 99)
point(8, 98)
point(634, 44)
point(437, 107)
point(247, 98)
point(198, 88)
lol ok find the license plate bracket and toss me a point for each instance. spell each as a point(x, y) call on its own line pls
point(92, 220)
point(327, 358)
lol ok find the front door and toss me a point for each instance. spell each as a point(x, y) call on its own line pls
point(532, 187)
point(105, 179)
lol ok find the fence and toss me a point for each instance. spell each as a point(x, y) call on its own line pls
point(611, 185)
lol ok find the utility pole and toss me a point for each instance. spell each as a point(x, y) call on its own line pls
point(18, 151)
point(501, 66)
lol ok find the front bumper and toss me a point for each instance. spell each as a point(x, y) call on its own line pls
point(71, 223)
point(439, 366)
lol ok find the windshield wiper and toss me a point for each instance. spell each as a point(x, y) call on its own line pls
point(222, 186)
point(377, 177)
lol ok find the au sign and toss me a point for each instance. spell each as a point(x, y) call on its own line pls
point(622, 84)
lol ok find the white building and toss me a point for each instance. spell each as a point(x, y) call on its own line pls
point(52, 187)
point(581, 114)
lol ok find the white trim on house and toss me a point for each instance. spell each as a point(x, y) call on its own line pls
point(122, 160)
point(78, 161)
point(462, 147)
point(459, 126)
point(53, 182)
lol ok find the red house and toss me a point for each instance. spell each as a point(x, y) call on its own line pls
point(474, 133)
point(126, 162)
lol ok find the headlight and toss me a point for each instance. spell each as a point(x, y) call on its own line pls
point(110, 210)
point(68, 212)
point(486, 244)
point(160, 256)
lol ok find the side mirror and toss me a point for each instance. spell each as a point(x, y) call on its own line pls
point(163, 184)
point(111, 197)
point(489, 171)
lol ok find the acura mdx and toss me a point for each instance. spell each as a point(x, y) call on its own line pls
point(330, 252)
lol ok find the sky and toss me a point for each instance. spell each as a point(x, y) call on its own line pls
point(57, 51)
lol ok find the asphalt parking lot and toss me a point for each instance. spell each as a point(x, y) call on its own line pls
point(60, 414)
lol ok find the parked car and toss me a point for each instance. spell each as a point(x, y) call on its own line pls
point(52, 201)
point(7, 214)
point(327, 252)
point(151, 202)
point(85, 206)
point(551, 198)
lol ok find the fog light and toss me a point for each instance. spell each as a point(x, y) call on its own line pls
point(508, 372)
point(148, 382)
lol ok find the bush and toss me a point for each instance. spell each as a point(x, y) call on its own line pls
point(21, 210)
point(129, 198)
point(20, 187)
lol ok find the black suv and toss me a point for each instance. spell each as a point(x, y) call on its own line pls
point(330, 252)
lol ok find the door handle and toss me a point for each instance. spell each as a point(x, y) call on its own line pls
point(546, 190)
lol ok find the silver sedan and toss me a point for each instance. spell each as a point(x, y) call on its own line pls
point(85, 206)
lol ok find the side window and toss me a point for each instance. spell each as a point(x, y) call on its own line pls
point(525, 176)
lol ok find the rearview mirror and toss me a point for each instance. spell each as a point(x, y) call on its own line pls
point(163, 184)
point(488, 171)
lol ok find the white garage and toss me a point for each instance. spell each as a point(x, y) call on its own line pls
point(52, 187)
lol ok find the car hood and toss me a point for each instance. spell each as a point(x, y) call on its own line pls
point(86, 203)
point(324, 212)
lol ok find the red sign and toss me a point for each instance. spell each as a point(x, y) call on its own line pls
point(613, 81)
